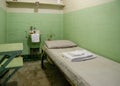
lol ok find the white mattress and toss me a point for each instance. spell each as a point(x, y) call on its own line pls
point(95, 72)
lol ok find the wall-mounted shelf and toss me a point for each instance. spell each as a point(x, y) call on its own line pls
point(33, 2)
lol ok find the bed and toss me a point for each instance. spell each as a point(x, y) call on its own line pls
point(98, 71)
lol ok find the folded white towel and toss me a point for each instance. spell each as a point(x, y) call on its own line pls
point(35, 37)
point(78, 55)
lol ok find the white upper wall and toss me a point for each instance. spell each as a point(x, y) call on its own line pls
point(72, 5)
point(32, 10)
point(3, 4)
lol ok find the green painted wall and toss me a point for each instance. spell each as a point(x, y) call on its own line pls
point(18, 23)
point(96, 28)
point(2, 25)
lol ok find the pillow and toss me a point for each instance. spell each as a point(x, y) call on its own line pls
point(60, 44)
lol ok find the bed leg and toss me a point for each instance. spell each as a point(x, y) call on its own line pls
point(42, 62)
point(42, 59)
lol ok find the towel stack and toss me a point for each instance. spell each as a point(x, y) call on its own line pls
point(78, 55)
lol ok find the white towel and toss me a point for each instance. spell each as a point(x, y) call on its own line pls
point(79, 55)
point(76, 53)
point(35, 37)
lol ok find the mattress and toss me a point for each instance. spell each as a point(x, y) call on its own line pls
point(95, 72)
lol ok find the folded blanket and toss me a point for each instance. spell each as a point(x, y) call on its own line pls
point(78, 55)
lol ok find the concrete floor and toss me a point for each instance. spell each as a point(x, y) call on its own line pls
point(31, 74)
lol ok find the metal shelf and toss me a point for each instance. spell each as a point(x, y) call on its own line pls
point(33, 2)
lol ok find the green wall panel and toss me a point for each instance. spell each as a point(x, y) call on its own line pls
point(18, 23)
point(96, 28)
point(2, 25)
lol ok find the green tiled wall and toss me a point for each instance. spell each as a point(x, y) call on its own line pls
point(2, 25)
point(18, 23)
point(96, 29)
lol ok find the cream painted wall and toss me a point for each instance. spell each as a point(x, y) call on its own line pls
point(3, 4)
point(30, 8)
point(72, 5)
